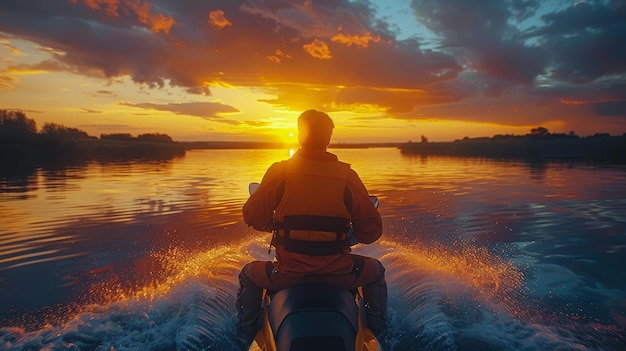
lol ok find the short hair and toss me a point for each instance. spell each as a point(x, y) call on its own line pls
point(315, 128)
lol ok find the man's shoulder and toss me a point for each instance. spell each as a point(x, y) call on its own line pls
point(277, 168)
point(279, 164)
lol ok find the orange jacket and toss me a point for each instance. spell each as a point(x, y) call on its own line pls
point(313, 173)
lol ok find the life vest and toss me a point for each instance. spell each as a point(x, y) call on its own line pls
point(312, 216)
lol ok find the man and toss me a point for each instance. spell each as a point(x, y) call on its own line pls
point(309, 202)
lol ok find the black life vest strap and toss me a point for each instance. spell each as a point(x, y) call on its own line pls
point(338, 225)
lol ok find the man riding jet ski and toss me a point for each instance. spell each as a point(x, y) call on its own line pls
point(316, 207)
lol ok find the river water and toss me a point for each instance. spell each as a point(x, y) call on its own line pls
point(480, 254)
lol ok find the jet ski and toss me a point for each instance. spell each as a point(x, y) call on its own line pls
point(314, 317)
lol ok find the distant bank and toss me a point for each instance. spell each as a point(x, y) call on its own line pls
point(531, 148)
point(41, 151)
point(24, 147)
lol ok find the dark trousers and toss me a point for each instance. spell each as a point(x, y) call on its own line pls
point(367, 273)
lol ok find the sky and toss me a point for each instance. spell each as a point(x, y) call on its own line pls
point(385, 71)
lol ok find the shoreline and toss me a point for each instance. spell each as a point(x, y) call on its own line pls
point(600, 148)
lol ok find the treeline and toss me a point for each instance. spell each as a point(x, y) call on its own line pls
point(150, 137)
point(536, 146)
point(21, 144)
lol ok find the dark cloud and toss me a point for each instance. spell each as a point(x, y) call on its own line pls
point(602, 91)
point(481, 36)
point(585, 42)
point(208, 110)
point(523, 9)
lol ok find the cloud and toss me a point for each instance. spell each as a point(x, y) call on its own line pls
point(278, 56)
point(358, 40)
point(106, 93)
point(339, 53)
point(15, 51)
point(40, 67)
point(257, 123)
point(318, 49)
point(88, 110)
point(217, 19)
point(274, 41)
point(355, 98)
point(110, 7)
point(213, 111)
point(481, 35)
point(7, 82)
point(585, 41)
point(311, 19)
point(142, 9)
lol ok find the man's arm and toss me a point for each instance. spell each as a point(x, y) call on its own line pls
point(366, 221)
point(258, 211)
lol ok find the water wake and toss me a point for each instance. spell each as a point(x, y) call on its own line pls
point(439, 299)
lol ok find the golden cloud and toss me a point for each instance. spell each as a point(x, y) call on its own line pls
point(355, 99)
point(358, 40)
point(110, 9)
point(109, 6)
point(160, 22)
point(217, 19)
point(318, 49)
point(278, 56)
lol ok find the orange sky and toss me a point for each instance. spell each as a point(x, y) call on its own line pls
point(385, 71)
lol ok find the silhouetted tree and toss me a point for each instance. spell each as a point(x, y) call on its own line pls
point(539, 131)
point(62, 132)
point(117, 136)
point(15, 124)
point(155, 137)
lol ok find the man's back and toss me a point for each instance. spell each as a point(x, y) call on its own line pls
point(313, 183)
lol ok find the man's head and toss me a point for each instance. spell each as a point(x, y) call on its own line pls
point(314, 129)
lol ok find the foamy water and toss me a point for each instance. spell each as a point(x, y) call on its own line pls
point(438, 300)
